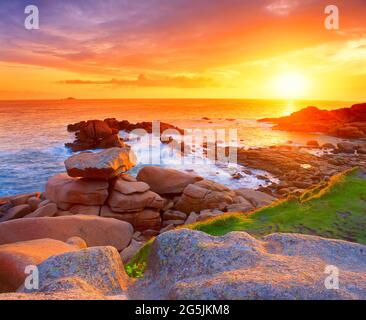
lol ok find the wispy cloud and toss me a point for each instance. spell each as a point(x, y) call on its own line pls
point(180, 81)
point(282, 7)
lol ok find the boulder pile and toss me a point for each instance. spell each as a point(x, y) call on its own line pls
point(97, 187)
point(156, 201)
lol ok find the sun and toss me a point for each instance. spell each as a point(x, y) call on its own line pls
point(290, 85)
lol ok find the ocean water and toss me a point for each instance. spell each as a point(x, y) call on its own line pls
point(33, 133)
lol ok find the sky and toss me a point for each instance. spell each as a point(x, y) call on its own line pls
point(183, 49)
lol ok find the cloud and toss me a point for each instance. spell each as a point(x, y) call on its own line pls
point(179, 81)
point(282, 7)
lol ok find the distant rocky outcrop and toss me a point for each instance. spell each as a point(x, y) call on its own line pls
point(98, 134)
point(186, 264)
point(347, 123)
point(94, 134)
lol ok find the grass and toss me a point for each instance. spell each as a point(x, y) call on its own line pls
point(334, 209)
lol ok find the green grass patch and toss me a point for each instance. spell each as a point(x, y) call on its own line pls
point(334, 209)
point(135, 268)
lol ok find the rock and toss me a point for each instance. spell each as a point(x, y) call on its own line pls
point(16, 212)
point(346, 147)
point(237, 176)
point(127, 187)
point(63, 213)
point(147, 219)
point(23, 198)
point(346, 123)
point(256, 198)
point(298, 192)
point(148, 127)
point(313, 144)
point(167, 228)
point(34, 202)
point(204, 194)
point(96, 231)
point(128, 253)
point(107, 212)
point(77, 242)
point(4, 201)
point(15, 257)
point(66, 191)
point(134, 202)
point(329, 146)
point(104, 165)
point(186, 264)
point(127, 177)
point(240, 207)
point(97, 270)
point(94, 134)
point(86, 210)
point(137, 235)
point(192, 218)
point(149, 233)
point(284, 191)
point(166, 181)
point(49, 210)
point(168, 204)
point(348, 132)
point(173, 222)
point(174, 215)
point(302, 184)
point(207, 214)
point(43, 203)
point(4, 208)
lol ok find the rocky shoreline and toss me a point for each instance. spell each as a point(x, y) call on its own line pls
point(297, 168)
point(96, 216)
point(349, 123)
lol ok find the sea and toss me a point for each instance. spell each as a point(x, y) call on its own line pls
point(33, 133)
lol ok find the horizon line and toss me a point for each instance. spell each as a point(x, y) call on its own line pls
point(260, 99)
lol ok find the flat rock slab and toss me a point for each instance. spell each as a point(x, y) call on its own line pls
point(104, 165)
point(96, 231)
point(166, 181)
point(187, 264)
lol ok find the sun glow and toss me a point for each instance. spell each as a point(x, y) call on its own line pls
point(291, 85)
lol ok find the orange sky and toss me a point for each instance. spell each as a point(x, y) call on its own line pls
point(183, 49)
